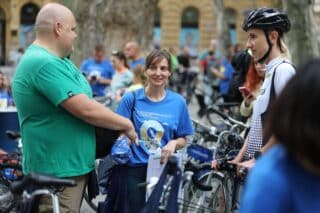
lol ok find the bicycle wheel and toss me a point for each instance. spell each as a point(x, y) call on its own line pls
point(7, 201)
point(200, 201)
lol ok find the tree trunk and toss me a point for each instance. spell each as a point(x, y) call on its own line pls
point(111, 23)
point(220, 24)
point(302, 38)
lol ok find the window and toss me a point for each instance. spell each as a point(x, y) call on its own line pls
point(28, 15)
point(189, 34)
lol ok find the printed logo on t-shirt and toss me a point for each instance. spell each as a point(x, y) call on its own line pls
point(70, 94)
point(151, 133)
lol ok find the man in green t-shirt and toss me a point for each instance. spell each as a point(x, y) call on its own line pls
point(56, 111)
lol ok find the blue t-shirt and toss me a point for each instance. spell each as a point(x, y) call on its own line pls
point(227, 73)
point(278, 183)
point(133, 64)
point(5, 95)
point(92, 68)
point(155, 122)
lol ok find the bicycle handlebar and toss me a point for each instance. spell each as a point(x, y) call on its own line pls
point(228, 118)
point(40, 180)
point(211, 130)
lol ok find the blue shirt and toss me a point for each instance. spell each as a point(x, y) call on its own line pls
point(5, 95)
point(278, 183)
point(92, 68)
point(155, 122)
point(133, 64)
point(227, 70)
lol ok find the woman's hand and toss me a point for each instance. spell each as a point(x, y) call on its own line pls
point(247, 164)
point(248, 99)
point(168, 150)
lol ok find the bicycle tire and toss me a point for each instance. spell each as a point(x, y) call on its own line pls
point(10, 204)
point(199, 201)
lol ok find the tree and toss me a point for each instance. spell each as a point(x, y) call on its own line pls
point(302, 38)
point(111, 23)
point(220, 23)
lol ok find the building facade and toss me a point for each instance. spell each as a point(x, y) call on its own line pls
point(178, 23)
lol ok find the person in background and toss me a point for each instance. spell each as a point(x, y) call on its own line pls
point(98, 71)
point(15, 55)
point(156, 126)
point(57, 113)
point(122, 78)
point(265, 28)
point(254, 80)
point(287, 177)
point(133, 53)
point(184, 60)
point(173, 81)
point(224, 73)
point(5, 96)
point(139, 78)
point(214, 47)
point(240, 63)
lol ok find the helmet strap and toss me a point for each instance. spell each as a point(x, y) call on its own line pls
point(263, 58)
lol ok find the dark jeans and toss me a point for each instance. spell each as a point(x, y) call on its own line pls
point(124, 193)
point(136, 194)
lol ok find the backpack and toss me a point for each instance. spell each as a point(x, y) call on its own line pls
point(240, 62)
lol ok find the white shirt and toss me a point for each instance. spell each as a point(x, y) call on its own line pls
point(284, 72)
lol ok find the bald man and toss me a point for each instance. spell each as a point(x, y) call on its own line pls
point(132, 52)
point(56, 111)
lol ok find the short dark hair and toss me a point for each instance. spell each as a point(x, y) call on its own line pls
point(99, 48)
point(156, 56)
point(295, 116)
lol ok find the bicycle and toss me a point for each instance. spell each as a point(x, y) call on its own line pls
point(216, 186)
point(35, 184)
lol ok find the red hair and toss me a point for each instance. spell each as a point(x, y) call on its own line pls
point(252, 78)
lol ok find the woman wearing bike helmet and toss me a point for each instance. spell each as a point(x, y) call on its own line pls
point(265, 28)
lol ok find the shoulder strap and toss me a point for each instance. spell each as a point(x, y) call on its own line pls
point(273, 94)
point(133, 105)
point(272, 98)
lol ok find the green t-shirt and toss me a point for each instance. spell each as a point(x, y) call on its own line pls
point(54, 141)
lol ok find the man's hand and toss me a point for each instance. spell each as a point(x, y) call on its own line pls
point(132, 135)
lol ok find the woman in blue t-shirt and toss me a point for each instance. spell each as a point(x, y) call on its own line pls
point(161, 119)
point(287, 177)
point(5, 97)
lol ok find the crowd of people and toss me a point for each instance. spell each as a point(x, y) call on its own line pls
point(144, 88)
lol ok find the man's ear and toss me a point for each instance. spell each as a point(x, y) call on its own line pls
point(57, 28)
